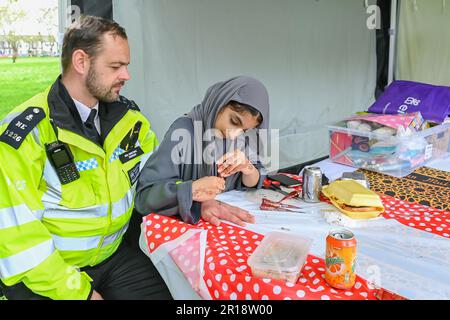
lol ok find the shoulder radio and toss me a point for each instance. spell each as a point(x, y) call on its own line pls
point(62, 160)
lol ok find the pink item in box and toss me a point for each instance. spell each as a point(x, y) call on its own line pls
point(412, 120)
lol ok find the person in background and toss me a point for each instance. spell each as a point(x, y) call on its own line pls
point(178, 179)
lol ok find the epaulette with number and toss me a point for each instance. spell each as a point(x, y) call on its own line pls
point(130, 103)
point(19, 128)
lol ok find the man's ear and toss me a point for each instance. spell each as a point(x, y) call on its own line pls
point(80, 62)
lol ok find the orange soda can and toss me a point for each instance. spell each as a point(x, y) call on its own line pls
point(341, 259)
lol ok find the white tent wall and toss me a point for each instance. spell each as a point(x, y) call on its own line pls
point(423, 41)
point(317, 59)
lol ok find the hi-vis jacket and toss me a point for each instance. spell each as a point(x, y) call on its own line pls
point(49, 229)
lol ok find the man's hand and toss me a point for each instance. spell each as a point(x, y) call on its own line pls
point(235, 162)
point(207, 188)
point(96, 296)
point(213, 211)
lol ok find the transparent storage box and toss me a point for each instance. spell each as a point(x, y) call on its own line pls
point(391, 155)
point(280, 256)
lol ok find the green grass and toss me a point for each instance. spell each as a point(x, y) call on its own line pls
point(24, 79)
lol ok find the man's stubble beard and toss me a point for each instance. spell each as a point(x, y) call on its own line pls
point(97, 90)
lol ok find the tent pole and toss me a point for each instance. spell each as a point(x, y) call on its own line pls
point(393, 41)
point(63, 6)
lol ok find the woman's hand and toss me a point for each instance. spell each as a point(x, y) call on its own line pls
point(213, 211)
point(207, 188)
point(235, 162)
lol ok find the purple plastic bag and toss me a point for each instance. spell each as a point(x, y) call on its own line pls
point(407, 97)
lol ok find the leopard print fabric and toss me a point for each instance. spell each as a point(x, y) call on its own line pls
point(427, 186)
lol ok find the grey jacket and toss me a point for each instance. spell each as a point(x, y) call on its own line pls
point(165, 185)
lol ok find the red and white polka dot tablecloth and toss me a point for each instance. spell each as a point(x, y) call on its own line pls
point(417, 216)
point(226, 272)
point(228, 277)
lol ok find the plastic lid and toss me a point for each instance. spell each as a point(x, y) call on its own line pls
point(352, 193)
point(281, 252)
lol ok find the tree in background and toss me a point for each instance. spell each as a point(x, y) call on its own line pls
point(14, 42)
point(12, 13)
point(9, 16)
point(47, 18)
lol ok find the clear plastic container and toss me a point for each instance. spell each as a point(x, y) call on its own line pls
point(280, 256)
point(391, 155)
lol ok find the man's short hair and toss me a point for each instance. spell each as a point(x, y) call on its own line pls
point(87, 35)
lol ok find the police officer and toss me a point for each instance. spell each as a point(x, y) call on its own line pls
point(69, 161)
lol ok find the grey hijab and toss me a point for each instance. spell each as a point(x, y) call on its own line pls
point(244, 90)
